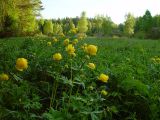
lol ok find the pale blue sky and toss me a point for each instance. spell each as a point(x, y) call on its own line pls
point(116, 9)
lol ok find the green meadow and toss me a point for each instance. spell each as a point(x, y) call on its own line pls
point(68, 88)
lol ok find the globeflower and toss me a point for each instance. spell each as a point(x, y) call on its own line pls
point(21, 64)
point(57, 57)
point(73, 54)
point(70, 49)
point(73, 31)
point(91, 49)
point(62, 35)
point(104, 78)
point(4, 76)
point(66, 42)
point(85, 44)
point(55, 40)
point(49, 43)
point(84, 47)
point(80, 38)
point(156, 59)
point(91, 66)
point(104, 92)
point(75, 41)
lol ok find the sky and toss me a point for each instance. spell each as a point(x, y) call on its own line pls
point(116, 9)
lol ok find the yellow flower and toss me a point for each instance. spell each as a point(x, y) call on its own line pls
point(85, 44)
point(158, 59)
point(91, 49)
point(70, 49)
point(57, 56)
point(84, 47)
point(91, 66)
point(4, 76)
point(153, 59)
point(104, 92)
point(62, 35)
point(104, 78)
point(49, 43)
point(75, 41)
point(55, 40)
point(21, 64)
point(80, 38)
point(66, 42)
point(73, 31)
point(73, 54)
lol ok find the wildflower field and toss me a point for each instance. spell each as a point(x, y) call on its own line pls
point(67, 78)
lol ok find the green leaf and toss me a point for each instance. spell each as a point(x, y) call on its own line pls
point(17, 78)
point(94, 117)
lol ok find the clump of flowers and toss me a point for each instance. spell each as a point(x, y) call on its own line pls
point(91, 66)
point(70, 49)
point(57, 57)
point(21, 64)
point(104, 78)
point(104, 92)
point(91, 49)
point(66, 42)
point(4, 77)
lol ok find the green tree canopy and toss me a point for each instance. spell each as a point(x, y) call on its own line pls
point(48, 27)
point(19, 16)
point(83, 23)
point(129, 25)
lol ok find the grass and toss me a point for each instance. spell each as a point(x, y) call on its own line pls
point(131, 57)
point(133, 66)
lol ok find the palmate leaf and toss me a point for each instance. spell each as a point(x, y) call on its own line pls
point(17, 78)
point(56, 115)
point(78, 81)
point(94, 117)
point(66, 81)
point(93, 114)
point(135, 85)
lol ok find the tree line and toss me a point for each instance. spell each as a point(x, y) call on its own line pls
point(22, 18)
point(146, 26)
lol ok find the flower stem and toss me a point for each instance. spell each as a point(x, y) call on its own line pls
point(70, 92)
point(54, 91)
